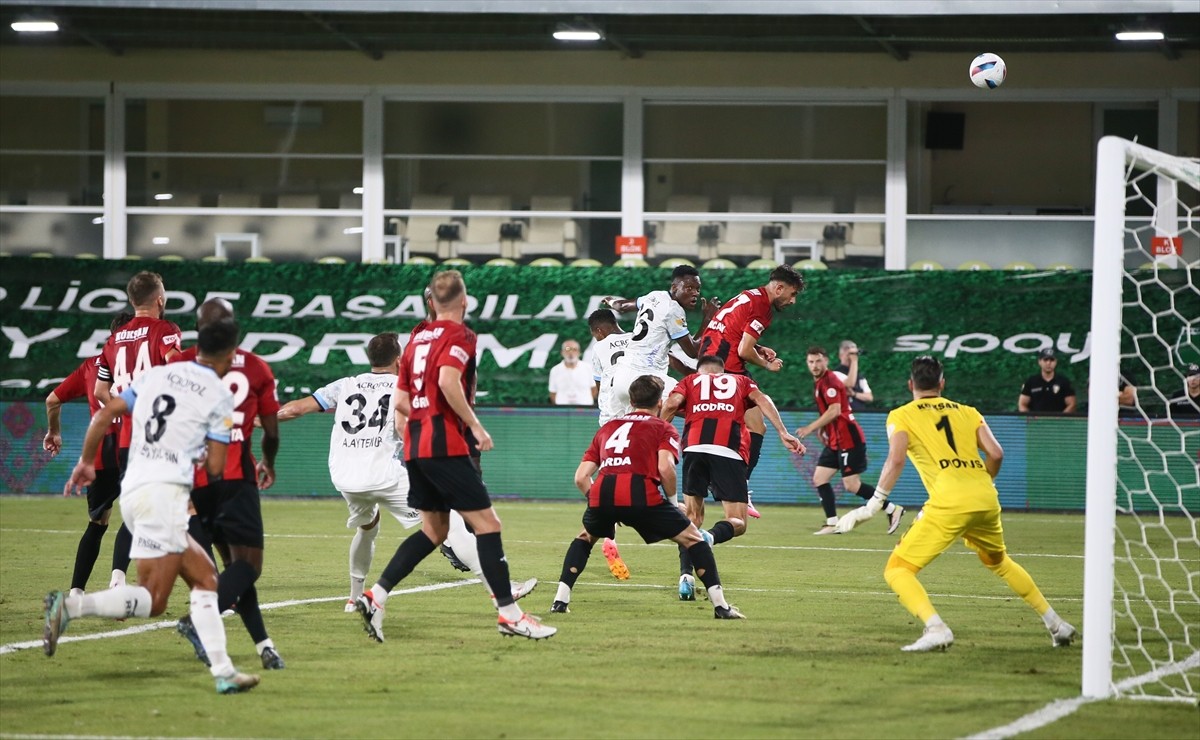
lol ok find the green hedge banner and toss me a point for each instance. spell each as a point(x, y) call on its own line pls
point(312, 321)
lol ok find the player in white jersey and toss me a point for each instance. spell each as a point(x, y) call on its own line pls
point(365, 460)
point(661, 320)
point(609, 346)
point(181, 413)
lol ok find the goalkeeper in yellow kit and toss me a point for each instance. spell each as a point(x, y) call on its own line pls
point(944, 440)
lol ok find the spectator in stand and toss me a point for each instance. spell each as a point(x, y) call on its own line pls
point(1047, 391)
point(571, 382)
point(857, 387)
point(1187, 404)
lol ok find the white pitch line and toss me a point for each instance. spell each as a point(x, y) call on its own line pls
point(13, 647)
point(1061, 708)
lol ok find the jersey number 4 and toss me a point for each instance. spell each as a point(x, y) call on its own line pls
point(618, 441)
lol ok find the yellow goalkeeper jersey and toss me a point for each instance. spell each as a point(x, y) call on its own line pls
point(943, 447)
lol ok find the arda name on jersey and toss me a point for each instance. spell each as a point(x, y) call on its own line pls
point(614, 461)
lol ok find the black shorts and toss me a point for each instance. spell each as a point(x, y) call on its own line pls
point(445, 483)
point(849, 462)
point(725, 476)
point(654, 523)
point(231, 512)
point(106, 489)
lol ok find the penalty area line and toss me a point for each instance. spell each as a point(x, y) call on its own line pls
point(13, 647)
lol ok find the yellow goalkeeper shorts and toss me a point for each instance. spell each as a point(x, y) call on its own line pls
point(934, 532)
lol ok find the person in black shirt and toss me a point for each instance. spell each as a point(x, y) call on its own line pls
point(1047, 391)
point(1189, 403)
point(856, 385)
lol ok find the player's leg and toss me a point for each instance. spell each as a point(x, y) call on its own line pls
point(198, 572)
point(728, 477)
point(101, 495)
point(986, 538)
point(855, 464)
point(364, 517)
point(929, 537)
point(658, 521)
point(463, 547)
point(123, 542)
point(827, 464)
point(697, 480)
point(577, 556)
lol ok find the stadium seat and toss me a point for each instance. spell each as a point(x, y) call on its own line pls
point(42, 255)
point(866, 239)
point(421, 260)
point(87, 256)
point(719, 263)
point(631, 262)
point(744, 238)
point(257, 259)
point(132, 257)
point(546, 262)
point(811, 265)
point(456, 262)
point(548, 235)
point(169, 258)
point(762, 263)
point(974, 265)
point(682, 238)
point(330, 260)
point(586, 262)
point(673, 262)
point(294, 233)
point(213, 258)
point(482, 233)
point(1060, 267)
point(501, 262)
point(421, 232)
point(814, 230)
point(1020, 266)
point(925, 265)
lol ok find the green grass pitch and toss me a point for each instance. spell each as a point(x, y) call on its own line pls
point(817, 657)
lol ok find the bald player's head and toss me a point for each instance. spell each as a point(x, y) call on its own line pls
point(213, 310)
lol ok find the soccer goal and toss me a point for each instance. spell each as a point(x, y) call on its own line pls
point(1141, 621)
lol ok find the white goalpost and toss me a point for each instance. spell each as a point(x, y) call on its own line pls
point(1141, 621)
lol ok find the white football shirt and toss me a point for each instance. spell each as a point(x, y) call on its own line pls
point(605, 354)
point(660, 321)
point(364, 450)
point(175, 408)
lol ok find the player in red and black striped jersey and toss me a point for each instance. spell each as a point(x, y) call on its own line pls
point(228, 510)
point(845, 446)
point(433, 395)
point(734, 332)
point(633, 458)
point(109, 462)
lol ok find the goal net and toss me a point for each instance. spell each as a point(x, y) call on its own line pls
point(1141, 623)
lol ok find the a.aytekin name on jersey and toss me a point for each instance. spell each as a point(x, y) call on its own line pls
point(363, 443)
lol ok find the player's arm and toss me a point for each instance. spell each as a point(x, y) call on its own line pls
point(294, 410)
point(214, 458)
point(888, 477)
point(103, 391)
point(450, 384)
point(52, 442)
point(830, 414)
point(666, 472)
point(85, 469)
point(618, 304)
point(991, 447)
point(265, 470)
point(753, 354)
point(671, 406)
point(583, 475)
point(771, 413)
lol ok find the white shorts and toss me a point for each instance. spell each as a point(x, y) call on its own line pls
point(618, 398)
point(364, 505)
point(157, 516)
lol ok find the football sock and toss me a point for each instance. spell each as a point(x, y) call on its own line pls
point(412, 550)
point(117, 579)
point(200, 535)
point(86, 554)
point(251, 614)
point(462, 542)
point(234, 581)
point(912, 594)
point(563, 593)
point(206, 618)
point(756, 443)
point(575, 561)
point(262, 645)
point(1019, 580)
point(828, 500)
point(706, 570)
point(115, 603)
point(865, 491)
point(362, 552)
point(1051, 618)
point(356, 587)
point(121, 547)
point(685, 562)
point(495, 568)
point(889, 508)
point(722, 531)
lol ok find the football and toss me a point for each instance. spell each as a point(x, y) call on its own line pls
point(988, 70)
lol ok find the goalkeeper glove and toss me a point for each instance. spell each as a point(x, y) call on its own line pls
point(875, 504)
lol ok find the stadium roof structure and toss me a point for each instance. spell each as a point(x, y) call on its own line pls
point(632, 28)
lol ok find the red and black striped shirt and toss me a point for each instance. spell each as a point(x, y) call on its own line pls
point(626, 450)
point(750, 312)
point(714, 410)
point(843, 433)
point(433, 429)
point(81, 383)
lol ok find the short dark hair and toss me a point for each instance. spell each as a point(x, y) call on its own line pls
point(926, 373)
point(710, 360)
point(383, 349)
point(218, 337)
point(601, 317)
point(787, 275)
point(120, 320)
point(816, 349)
point(682, 271)
point(645, 391)
point(445, 286)
point(214, 309)
point(142, 287)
